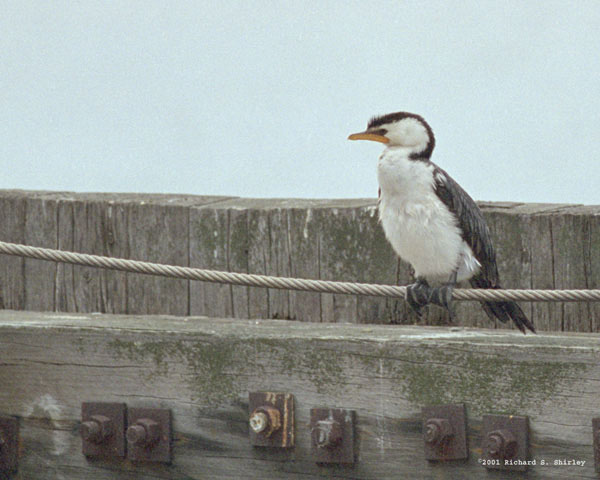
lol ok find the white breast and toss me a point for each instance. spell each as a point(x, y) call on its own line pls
point(420, 228)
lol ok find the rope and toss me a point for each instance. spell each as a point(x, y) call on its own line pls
point(285, 283)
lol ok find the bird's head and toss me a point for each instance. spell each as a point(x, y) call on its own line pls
point(401, 129)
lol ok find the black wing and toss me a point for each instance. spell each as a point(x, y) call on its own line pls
point(475, 231)
point(476, 234)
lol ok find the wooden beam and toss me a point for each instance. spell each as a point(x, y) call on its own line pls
point(202, 369)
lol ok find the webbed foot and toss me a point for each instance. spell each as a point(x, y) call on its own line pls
point(442, 296)
point(418, 294)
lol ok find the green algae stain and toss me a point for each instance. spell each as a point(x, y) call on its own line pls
point(314, 361)
point(487, 384)
point(80, 345)
point(213, 365)
point(214, 370)
point(356, 247)
point(323, 368)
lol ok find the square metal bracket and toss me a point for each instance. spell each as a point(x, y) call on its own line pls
point(505, 442)
point(149, 435)
point(332, 435)
point(9, 443)
point(596, 434)
point(103, 429)
point(445, 432)
point(271, 417)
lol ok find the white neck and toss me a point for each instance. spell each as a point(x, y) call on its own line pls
point(405, 151)
point(400, 176)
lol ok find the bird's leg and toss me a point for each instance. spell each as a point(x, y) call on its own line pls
point(442, 296)
point(418, 294)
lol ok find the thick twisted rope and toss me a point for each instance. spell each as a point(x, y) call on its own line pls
point(251, 280)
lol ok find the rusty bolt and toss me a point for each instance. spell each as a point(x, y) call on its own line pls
point(259, 422)
point(501, 444)
point(437, 431)
point(327, 434)
point(97, 429)
point(143, 433)
point(265, 420)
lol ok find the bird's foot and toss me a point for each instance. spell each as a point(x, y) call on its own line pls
point(417, 295)
point(442, 296)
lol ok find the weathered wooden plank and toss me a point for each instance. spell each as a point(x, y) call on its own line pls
point(351, 248)
point(270, 253)
point(277, 249)
point(41, 230)
point(238, 260)
point(12, 229)
point(28, 217)
point(512, 245)
point(209, 248)
point(545, 315)
point(158, 233)
point(290, 237)
point(592, 263)
point(143, 227)
point(577, 244)
point(273, 237)
point(538, 245)
point(379, 265)
point(526, 255)
point(96, 225)
point(202, 369)
point(337, 244)
point(303, 230)
point(568, 232)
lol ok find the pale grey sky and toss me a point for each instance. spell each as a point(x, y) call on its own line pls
point(257, 98)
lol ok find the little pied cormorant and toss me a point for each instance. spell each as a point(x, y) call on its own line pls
point(431, 222)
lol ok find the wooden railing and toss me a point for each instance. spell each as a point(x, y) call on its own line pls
point(538, 246)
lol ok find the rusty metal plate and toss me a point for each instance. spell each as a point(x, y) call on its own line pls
point(332, 435)
point(103, 429)
point(149, 435)
point(505, 442)
point(596, 434)
point(445, 432)
point(271, 417)
point(9, 443)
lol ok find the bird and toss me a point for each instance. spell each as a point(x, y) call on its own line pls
point(430, 221)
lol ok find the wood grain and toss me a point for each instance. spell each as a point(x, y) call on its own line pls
point(538, 246)
point(12, 229)
point(202, 369)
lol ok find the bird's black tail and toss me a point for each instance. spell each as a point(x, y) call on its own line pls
point(503, 311)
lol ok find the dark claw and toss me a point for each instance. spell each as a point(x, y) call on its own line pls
point(417, 295)
point(442, 296)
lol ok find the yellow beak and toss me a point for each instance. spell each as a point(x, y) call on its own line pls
point(369, 136)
